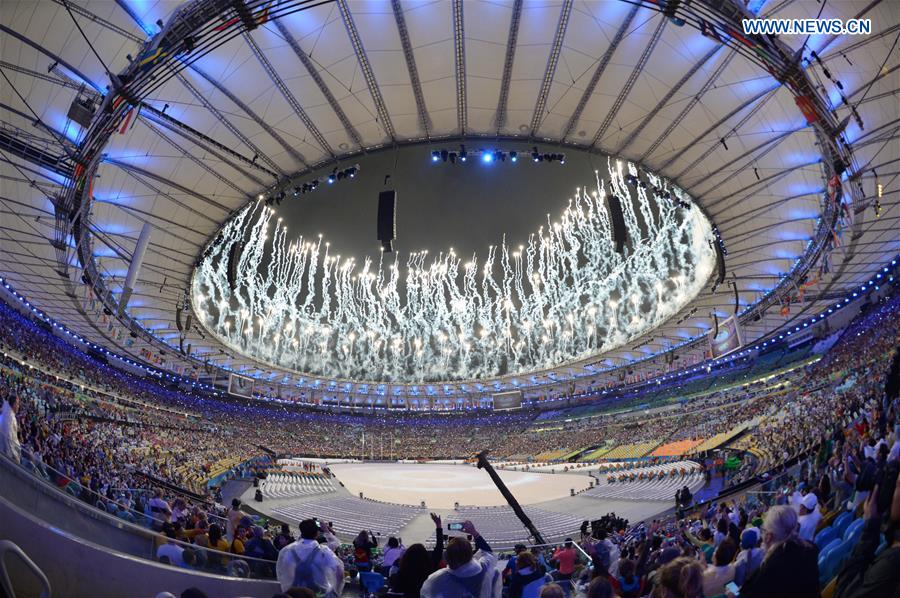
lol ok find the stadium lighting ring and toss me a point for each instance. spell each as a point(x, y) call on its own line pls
point(563, 296)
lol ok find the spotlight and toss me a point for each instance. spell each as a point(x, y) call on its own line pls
point(341, 175)
point(487, 157)
point(435, 156)
point(546, 157)
point(332, 176)
point(297, 191)
point(498, 155)
point(453, 157)
point(444, 155)
point(535, 155)
point(514, 156)
point(463, 154)
point(314, 184)
point(562, 158)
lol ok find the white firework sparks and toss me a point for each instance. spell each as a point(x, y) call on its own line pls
point(563, 296)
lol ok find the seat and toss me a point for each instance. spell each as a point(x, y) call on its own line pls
point(371, 582)
point(824, 556)
point(841, 522)
point(854, 530)
point(533, 590)
point(825, 536)
point(830, 561)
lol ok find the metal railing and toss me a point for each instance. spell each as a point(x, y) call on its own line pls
point(142, 525)
point(8, 547)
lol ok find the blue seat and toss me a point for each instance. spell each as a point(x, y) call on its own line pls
point(825, 536)
point(881, 546)
point(841, 522)
point(829, 547)
point(371, 582)
point(854, 530)
point(839, 555)
point(824, 560)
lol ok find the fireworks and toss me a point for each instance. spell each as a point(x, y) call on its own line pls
point(563, 296)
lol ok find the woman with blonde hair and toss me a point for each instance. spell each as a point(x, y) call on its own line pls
point(680, 578)
point(789, 567)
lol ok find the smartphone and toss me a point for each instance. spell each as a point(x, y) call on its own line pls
point(455, 527)
point(732, 588)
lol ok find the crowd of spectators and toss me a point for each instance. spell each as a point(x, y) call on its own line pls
point(104, 435)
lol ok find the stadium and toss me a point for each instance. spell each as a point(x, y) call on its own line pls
point(457, 298)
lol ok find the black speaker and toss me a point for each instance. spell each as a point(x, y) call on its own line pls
point(617, 219)
point(233, 255)
point(387, 219)
point(720, 265)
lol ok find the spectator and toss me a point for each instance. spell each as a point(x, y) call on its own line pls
point(720, 571)
point(552, 590)
point(601, 588)
point(259, 546)
point(416, 565)
point(864, 574)
point(362, 550)
point(9, 428)
point(809, 516)
point(392, 553)
point(466, 575)
point(679, 578)
point(308, 564)
point(511, 563)
point(215, 560)
point(565, 556)
point(527, 572)
point(235, 514)
point(790, 566)
point(159, 509)
point(749, 558)
point(629, 584)
point(284, 537)
point(170, 550)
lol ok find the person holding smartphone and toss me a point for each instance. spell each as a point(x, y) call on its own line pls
point(362, 550)
point(468, 574)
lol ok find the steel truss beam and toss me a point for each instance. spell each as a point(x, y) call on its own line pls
point(629, 84)
point(714, 146)
point(219, 150)
point(200, 163)
point(552, 62)
point(459, 57)
point(410, 57)
point(368, 73)
point(317, 78)
point(669, 95)
point(598, 72)
point(508, 60)
point(288, 95)
point(292, 152)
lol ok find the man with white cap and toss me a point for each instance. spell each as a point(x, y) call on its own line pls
point(809, 516)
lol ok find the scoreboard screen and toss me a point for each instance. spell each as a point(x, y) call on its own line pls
point(729, 338)
point(240, 386)
point(505, 401)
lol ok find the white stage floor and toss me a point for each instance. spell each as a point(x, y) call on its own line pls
point(440, 486)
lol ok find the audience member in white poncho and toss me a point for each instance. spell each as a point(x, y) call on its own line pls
point(308, 564)
point(467, 575)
